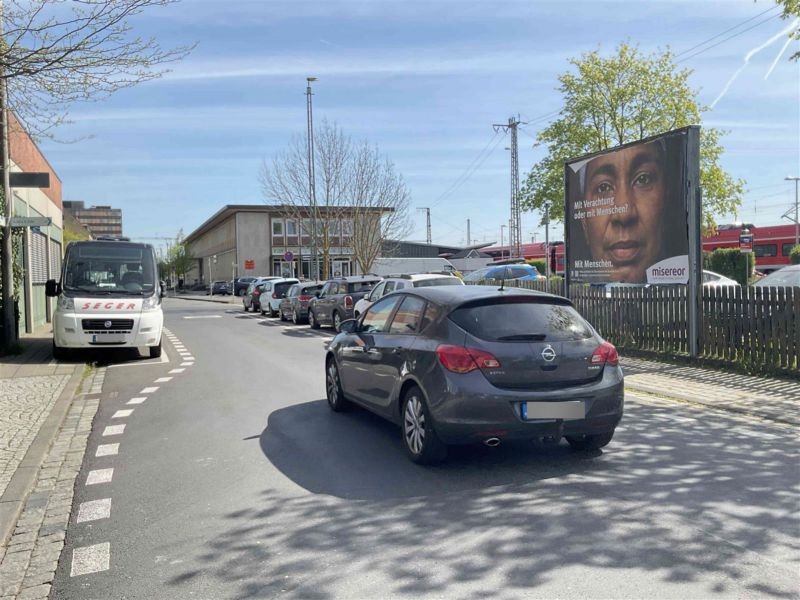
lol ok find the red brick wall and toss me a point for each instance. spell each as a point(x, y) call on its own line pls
point(27, 156)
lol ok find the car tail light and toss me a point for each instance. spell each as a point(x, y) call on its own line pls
point(348, 302)
point(459, 359)
point(274, 295)
point(605, 354)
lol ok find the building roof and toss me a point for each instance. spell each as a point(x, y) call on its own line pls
point(230, 210)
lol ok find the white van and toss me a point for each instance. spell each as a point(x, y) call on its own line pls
point(109, 296)
point(407, 266)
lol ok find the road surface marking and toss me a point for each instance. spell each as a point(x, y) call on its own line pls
point(187, 364)
point(177, 371)
point(99, 476)
point(143, 363)
point(121, 414)
point(163, 380)
point(94, 510)
point(107, 450)
point(187, 357)
point(149, 390)
point(205, 317)
point(90, 559)
point(114, 430)
point(138, 400)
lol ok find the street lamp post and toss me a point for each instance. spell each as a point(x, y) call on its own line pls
point(502, 227)
point(796, 210)
point(312, 192)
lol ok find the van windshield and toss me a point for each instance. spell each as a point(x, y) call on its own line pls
point(107, 268)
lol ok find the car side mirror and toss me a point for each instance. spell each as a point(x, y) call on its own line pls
point(349, 326)
point(52, 288)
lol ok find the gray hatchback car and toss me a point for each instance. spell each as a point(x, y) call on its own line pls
point(461, 364)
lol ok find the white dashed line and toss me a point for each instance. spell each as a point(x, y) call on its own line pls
point(94, 510)
point(187, 357)
point(163, 380)
point(99, 476)
point(149, 390)
point(205, 317)
point(176, 371)
point(187, 364)
point(114, 430)
point(107, 450)
point(136, 400)
point(121, 414)
point(90, 559)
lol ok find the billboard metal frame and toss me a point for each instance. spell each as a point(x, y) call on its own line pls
point(692, 201)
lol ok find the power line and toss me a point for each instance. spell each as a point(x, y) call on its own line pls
point(730, 37)
point(711, 39)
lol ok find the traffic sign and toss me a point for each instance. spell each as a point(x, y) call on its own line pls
point(288, 256)
point(745, 241)
point(249, 264)
point(31, 221)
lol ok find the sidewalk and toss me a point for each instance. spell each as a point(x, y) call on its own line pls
point(767, 398)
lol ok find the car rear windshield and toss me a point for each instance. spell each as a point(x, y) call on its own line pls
point(516, 319)
point(440, 281)
point(280, 288)
point(360, 286)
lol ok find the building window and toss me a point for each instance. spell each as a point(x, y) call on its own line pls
point(291, 227)
point(277, 227)
point(347, 227)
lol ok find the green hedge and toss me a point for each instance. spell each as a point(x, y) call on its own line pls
point(730, 262)
point(539, 264)
point(794, 255)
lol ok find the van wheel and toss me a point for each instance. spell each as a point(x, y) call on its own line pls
point(422, 444)
point(59, 353)
point(155, 351)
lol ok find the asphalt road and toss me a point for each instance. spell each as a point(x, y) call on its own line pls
point(234, 480)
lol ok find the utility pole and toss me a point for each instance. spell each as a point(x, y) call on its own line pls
point(514, 232)
point(547, 246)
point(312, 191)
point(501, 239)
point(7, 251)
point(469, 237)
point(428, 215)
point(796, 209)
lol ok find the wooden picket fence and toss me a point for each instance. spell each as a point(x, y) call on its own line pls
point(755, 328)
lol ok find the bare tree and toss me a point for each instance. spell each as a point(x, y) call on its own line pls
point(284, 181)
point(57, 52)
point(380, 201)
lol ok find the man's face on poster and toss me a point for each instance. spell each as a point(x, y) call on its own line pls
point(631, 182)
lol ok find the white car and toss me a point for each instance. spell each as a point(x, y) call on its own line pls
point(274, 291)
point(711, 279)
point(399, 282)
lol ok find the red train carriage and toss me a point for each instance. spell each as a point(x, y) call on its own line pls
point(771, 244)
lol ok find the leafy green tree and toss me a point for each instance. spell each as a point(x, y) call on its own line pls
point(794, 255)
point(620, 99)
point(180, 260)
point(791, 9)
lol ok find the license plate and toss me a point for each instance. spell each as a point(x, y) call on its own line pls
point(571, 409)
point(108, 338)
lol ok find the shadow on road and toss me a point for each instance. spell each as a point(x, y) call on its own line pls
point(673, 500)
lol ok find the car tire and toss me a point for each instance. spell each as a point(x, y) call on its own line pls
point(273, 313)
point(241, 292)
point(420, 441)
point(590, 442)
point(60, 353)
point(333, 387)
point(263, 314)
point(312, 320)
point(295, 317)
point(155, 351)
point(337, 321)
point(244, 306)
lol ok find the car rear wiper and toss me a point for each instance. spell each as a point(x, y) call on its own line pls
point(523, 337)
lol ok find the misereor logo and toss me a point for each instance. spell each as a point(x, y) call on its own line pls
point(670, 270)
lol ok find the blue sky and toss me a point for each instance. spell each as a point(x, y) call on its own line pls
point(424, 80)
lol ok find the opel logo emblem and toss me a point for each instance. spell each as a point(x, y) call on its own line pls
point(107, 325)
point(548, 354)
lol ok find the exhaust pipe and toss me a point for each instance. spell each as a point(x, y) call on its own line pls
point(492, 442)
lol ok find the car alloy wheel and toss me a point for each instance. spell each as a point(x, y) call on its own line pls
point(295, 317)
point(337, 322)
point(333, 388)
point(414, 425)
point(422, 444)
point(312, 320)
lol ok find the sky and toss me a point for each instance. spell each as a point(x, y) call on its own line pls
point(422, 80)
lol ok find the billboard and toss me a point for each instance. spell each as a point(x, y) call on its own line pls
point(626, 216)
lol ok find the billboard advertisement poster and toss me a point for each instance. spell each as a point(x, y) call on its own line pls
point(627, 213)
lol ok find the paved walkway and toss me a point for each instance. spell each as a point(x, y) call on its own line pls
point(767, 398)
point(30, 383)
